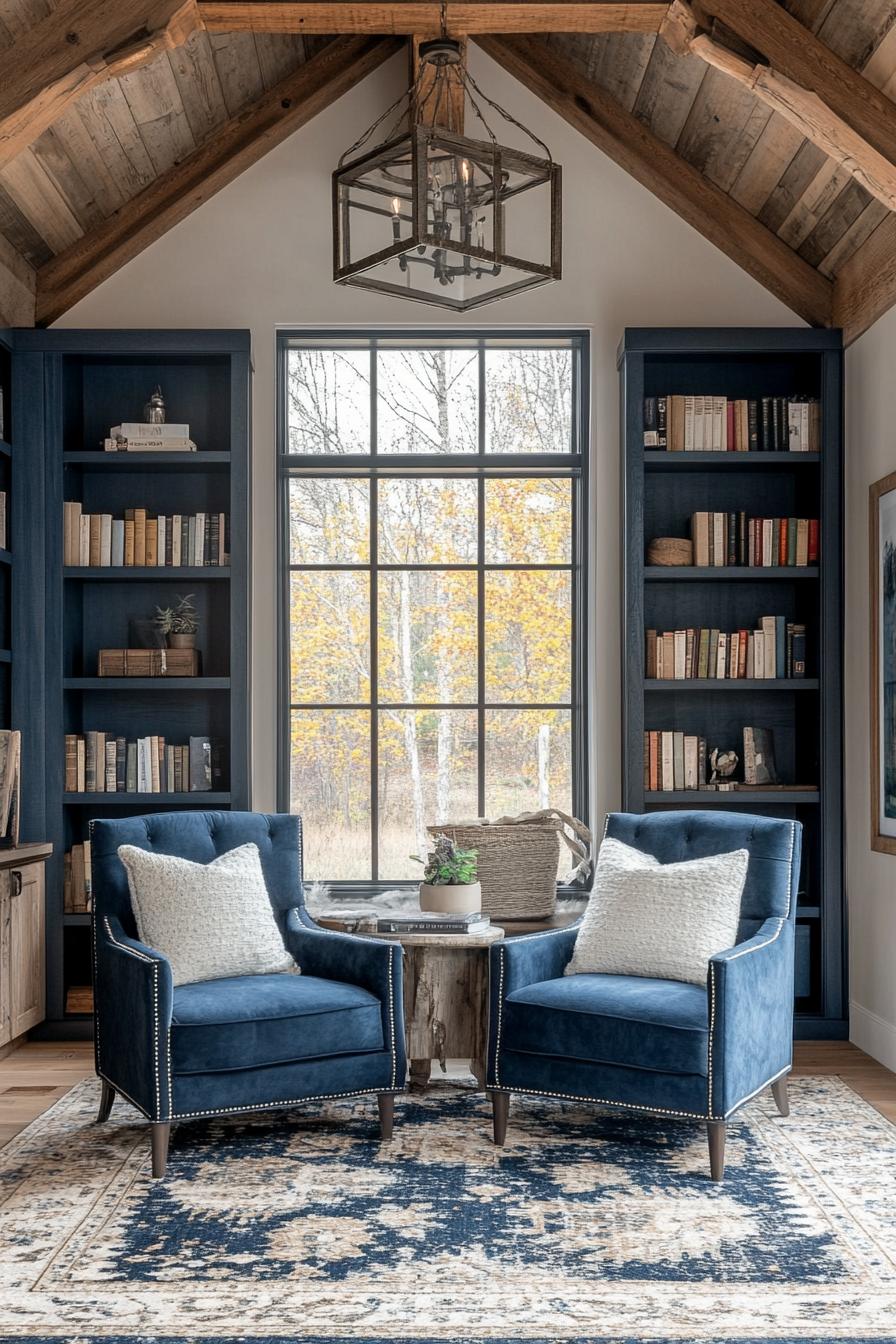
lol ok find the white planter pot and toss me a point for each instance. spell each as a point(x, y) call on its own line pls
point(451, 900)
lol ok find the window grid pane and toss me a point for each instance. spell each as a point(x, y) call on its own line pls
point(471, 582)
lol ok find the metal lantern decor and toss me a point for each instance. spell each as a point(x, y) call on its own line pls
point(431, 215)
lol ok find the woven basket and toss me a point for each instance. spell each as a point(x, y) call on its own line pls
point(517, 860)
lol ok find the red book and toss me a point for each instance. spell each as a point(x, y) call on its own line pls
point(731, 442)
point(782, 541)
point(813, 541)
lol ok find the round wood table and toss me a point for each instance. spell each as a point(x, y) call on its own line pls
point(445, 999)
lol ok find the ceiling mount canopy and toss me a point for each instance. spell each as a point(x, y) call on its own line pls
point(430, 214)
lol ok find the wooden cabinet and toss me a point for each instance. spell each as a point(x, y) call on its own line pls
point(22, 940)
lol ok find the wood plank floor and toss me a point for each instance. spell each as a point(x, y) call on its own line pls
point(38, 1074)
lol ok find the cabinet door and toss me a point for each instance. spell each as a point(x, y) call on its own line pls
point(27, 951)
point(5, 1029)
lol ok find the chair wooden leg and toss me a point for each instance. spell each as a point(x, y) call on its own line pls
point(386, 1103)
point(160, 1132)
point(500, 1113)
point(779, 1092)
point(107, 1096)
point(716, 1132)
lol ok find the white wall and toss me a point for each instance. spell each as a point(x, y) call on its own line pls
point(259, 255)
point(871, 877)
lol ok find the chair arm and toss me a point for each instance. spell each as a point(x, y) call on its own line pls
point(751, 1015)
point(515, 962)
point(133, 996)
point(373, 963)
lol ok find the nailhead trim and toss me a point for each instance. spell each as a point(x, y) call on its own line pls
point(500, 1016)
point(150, 961)
point(712, 1026)
point(392, 1018)
point(127, 1095)
point(601, 1101)
point(289, 1101)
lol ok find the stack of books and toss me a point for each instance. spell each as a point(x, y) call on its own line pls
point(99, 539)
point(135, 437)
point(721, 425)
point(674, 761)
point(722, 539)
point(103, 763)
point(422, 921)
point(77, 880)
point(775, 649)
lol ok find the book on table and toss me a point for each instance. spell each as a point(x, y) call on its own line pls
point(425, 922)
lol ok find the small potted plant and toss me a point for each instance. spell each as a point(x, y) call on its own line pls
point(449, 883)
point(179, 623)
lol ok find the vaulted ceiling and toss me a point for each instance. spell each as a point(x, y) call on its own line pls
point(770, 128)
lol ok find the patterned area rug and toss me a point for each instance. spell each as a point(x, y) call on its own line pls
point(588, 1226)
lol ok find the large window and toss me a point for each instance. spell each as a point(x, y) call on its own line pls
point(433, 570)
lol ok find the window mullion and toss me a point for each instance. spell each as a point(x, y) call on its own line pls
point(373, 557)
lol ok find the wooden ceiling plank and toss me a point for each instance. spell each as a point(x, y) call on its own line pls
point(615, 61)
point(238, 144)
point(239, 69)
point(408, 17)
point(668, 90)
point(17, 288)
point(769, 159)
point(110, 124)
point(51, 153)
point(76, 47)
point(41, 201)
point(73, 136)
point(799, 56)
point(840, 217)
point(873, 215)
point(632, 145)
point(854, 30)
point(154, 99)
point(196, 75)
point(20, 232)
point(865, 286)
point(721, 129)
point(278, 55)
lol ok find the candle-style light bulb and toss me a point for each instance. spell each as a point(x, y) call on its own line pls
point(396, 206)
point(465, 172)
point(396, 217)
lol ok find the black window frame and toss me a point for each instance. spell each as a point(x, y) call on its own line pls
point(374, 466)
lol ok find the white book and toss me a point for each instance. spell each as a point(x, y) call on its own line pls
point(768, 645)
point(160, 543)
point(137, 429)
point(751, 652)
point(105, 539)
point(667, 765)
point(719, 426)
point(689, 424)
point(680, 647)
point(691, 745)
point(767, 540)
point(699, 424)
point(118, 542)
point(804, 427)
point(722, 656)
point(71, 533)
point(191, 540)
point(719, 527)
point(84, 540)
point(175, 539)
point(142, 765)
point(200, 539)
point(723, 424)
point(759, 655)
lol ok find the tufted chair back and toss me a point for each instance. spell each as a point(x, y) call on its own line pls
point(773, 845)
point(202, 837)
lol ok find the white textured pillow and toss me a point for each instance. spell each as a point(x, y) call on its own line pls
point(210, 920)
point(662, 920)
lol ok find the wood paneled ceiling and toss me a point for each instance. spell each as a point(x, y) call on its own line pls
point(769, 127)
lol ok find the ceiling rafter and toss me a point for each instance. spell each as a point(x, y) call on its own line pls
point(631, 144)
point(79, 45)
point(407, 17)
point(236, 145)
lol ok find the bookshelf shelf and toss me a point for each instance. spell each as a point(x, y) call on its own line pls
point(100, 461)
point(662, 490)
point(662, 460)
point(155, 573)
point(70, 387)
point(708, 685)
point(728, 573)
point(132, 800)
point(195, 684)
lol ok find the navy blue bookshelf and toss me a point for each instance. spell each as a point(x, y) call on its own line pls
point(6, 560)
point(660, 492)
point(69, 387)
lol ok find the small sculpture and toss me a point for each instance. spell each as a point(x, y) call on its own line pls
point(154, 410)
point(724, 764)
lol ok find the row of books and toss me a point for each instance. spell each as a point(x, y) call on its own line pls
point(77, 880)
point(676, 761)
point(681, 423)
point(97, 762)
point(775, 649)
point(99, 539)
point(133, 436)
point(722, 539)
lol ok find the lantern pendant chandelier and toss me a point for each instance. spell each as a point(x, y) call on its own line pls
point(431, 215)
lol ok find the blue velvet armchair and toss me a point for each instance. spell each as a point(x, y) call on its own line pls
point(247, 1043)
point(659, 1046)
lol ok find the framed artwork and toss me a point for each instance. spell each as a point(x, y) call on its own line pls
point(883, 664)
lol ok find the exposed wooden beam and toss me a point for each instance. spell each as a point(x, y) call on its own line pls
point(865, 285)
point(635, 147)
point(236, 145)
point(796, 53)
point(17, 288)
point(76, 47)
point(802, 108)
point(440, 101)
point(406, 17)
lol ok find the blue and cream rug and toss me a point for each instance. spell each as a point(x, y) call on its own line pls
point(301, 1226)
